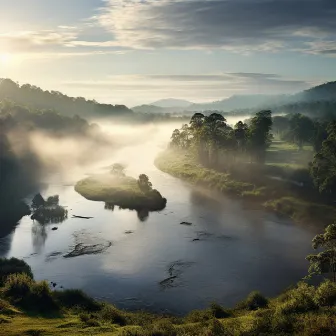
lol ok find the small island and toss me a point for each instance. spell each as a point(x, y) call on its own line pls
point(115, 188)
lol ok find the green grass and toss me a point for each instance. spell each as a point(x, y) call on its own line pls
point(251, 183)
point(284, 154)
point(123, 191)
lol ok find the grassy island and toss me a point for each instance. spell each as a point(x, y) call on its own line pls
point(121, 190)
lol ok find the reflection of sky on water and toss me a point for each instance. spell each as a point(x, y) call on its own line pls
point(245, 249)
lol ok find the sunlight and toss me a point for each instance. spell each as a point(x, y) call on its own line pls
point(5, 58)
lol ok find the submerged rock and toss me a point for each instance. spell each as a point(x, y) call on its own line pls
point(186, 223)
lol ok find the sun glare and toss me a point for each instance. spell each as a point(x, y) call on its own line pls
point(5, 58)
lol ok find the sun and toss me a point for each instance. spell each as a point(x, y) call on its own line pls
point(5, 58)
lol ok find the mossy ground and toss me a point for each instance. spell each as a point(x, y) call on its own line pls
point(252, 183)
point(123, 191)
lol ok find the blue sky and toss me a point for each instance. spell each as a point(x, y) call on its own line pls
point(138, 51)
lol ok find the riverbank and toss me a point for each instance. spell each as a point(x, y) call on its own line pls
point(123, 191)
point(253, 184)
point(29, 307)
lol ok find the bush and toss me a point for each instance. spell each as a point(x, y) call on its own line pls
point(112, 314)
point(41, 298)
point(320, 325)
point(325, 294)
point(198, 316)
point(218, 311)
point(33, 296)
point(215, 328)
point(18, 286)
point(13, 266)
point(89, 320)
point(72, 298)
point(254, 301)
point(300, 300)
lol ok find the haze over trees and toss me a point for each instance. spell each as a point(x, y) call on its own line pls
point(36, 98)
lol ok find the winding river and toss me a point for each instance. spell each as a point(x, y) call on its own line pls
point(155, 262)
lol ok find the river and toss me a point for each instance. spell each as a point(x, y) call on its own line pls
point(155, 263)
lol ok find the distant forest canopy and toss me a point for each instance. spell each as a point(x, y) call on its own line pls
point(34, 97)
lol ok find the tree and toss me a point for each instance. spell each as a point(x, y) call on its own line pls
point(38, 201)
point(325, 261)
point(118, 169)
point(301, 130)
point(241, 135)
point(259, 135)
point(280, 125)
point(144, 184)
point(323, 167)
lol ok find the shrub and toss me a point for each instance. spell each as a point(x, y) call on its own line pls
point(320, 325)
point(18, 286)
point(41, 298)
point(254, 301)
point(218, 311)
point(215, 328)
point(300, 300)
point(72, 298)
point(112, 314)
point(198, 316)
point(325, 294)
point(89, 320)
point(163, 328)
point(13, 266)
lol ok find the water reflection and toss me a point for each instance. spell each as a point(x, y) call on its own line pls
point(142, 214)
point(39, 236)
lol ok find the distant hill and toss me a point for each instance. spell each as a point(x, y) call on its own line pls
point(35, 97)
point(323, 92)
point(171, 102)
point(238, 102)
point(148, 109)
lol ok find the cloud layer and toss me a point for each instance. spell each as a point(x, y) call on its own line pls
point(236, 25)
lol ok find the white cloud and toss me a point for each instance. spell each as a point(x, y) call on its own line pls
point(234, 25)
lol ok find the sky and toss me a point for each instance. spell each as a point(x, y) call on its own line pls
point(138, 51)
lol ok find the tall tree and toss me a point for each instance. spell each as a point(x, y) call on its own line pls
point(323, 167)
point(325, 261)
point(301, 130)
point(260, 135)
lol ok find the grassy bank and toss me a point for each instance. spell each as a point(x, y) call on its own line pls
point(122, 191)
point(28, 307)
point(269, 186)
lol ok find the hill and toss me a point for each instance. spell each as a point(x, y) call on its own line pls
point(171, 102)
point(36, 98)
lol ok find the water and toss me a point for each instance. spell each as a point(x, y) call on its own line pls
point(158, 265)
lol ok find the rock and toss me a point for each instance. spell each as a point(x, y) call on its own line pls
point(186, 223)
point(54, 228)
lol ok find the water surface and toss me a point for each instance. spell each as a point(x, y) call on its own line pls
point(229, 250)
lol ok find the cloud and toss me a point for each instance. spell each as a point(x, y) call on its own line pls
point(197, 87)
point(234, 25)
point(30, 41)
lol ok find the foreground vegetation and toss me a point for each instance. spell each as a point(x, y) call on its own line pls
point(118, 189)
point(29, 307)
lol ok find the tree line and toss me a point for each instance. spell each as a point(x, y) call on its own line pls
point(217, 144)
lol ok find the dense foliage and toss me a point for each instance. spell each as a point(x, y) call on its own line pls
point(323, 168)
point(214, 139)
